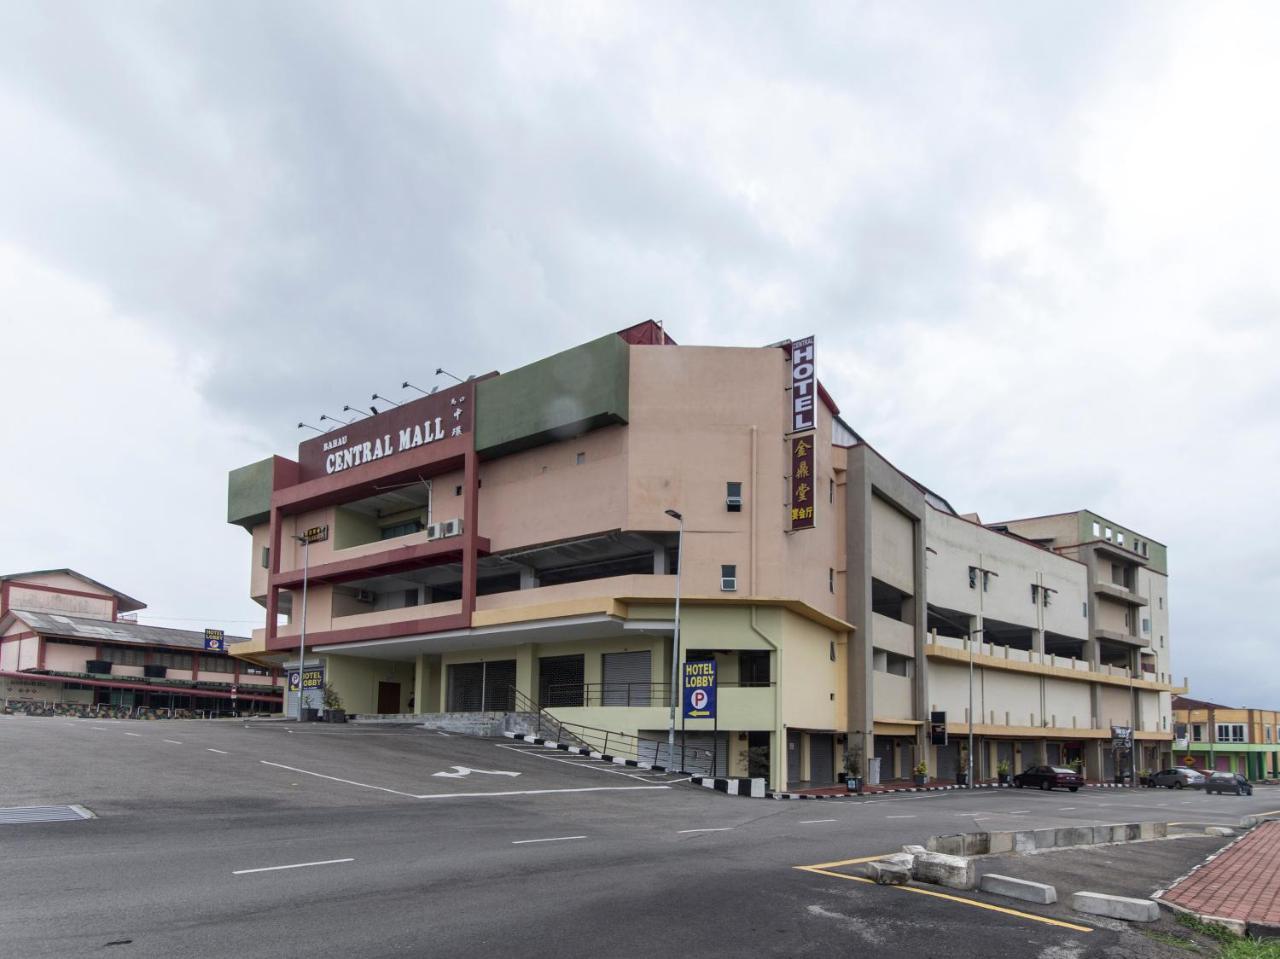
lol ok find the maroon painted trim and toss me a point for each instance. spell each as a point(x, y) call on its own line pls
point(115, 609)
point(273, 568)
point(40, 652)
point(359, 634)
point(392, 560)
point(359, 482)
point(195, 666)
point(826, 398)
point(4, 597)
point(15, 637)
point(208, 693)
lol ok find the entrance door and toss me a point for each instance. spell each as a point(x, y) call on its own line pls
point(758, 755)
point(388, 697)
point(822, 748)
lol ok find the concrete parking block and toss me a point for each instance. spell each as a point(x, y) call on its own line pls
point(889, 873)
point(1023, 889)
point(1046, 838)
point(905, 859)
point(952, 845)
point(998, 842)
point(1115, 907)
point(1153, 830)
point(1024, 841)
point(1219, 831)
point(955, 872)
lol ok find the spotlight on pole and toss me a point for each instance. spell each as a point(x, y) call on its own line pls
point(406, 385)
point(441, 369)
point(352, 409)
point(384, 399)
point(333, 419)
point(310, 427)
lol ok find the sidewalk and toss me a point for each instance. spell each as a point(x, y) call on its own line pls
point(1241, 884)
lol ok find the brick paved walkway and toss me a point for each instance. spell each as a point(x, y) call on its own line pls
point(1242, 883)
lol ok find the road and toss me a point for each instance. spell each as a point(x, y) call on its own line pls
point(274, 839)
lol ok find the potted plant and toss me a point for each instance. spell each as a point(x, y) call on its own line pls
point(1002, 771)
point(962, 770)
point(922, 772)
point(1078, 766)
point(853, 766)
point(333, 711)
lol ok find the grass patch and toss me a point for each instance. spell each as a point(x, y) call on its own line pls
point(1233, 946)
point(1171, 940)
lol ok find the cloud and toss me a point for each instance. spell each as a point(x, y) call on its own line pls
point(1036, 244)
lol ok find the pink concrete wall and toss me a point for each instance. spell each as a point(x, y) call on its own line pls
point(38, 599)
point(66, 658)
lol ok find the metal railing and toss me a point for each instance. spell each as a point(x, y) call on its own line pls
point(622, 694)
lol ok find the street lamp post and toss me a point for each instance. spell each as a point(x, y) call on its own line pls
point(981, 583)
point(302, 638)
point(675, 644)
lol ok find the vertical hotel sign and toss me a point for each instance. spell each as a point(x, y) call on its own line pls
point(801, 439)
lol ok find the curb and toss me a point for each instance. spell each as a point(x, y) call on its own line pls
point(592, 754)
point(755, 788)
point(1237, 926)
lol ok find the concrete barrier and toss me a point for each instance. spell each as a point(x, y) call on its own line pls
point(955, 872)
point(1023, 889)
point(889, 873)
point(1115, 907)
point(1219, 831)
point(1073, 836)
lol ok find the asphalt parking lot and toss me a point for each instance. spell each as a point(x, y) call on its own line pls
point(271, 838)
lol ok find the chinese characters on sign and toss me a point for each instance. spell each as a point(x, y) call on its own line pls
point(802, 481)
point(803, 385)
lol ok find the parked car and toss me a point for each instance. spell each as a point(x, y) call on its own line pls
point(1049, 777)
point(1228, 783)
point(1178, 777)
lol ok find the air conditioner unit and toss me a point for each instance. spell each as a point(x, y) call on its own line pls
point(451, 527)
point(365, 596)
point(733, 504)
point(728, 583)
point(433, 530)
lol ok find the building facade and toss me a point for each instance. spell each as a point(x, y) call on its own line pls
point(69, 644)
point(1227, 739)
point(507, 542)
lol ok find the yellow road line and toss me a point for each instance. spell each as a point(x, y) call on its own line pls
point(844, 862)
point(960, 899)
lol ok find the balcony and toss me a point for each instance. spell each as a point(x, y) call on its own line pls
point(1121, 594)
point(891, 697)
point(893, 635)
point(1115, 636)
point(1021, 660)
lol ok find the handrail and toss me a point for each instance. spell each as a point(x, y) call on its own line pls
point(624, 694)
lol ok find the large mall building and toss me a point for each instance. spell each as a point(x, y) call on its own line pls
point(507, 541)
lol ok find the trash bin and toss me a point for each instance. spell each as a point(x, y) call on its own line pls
point(873, 771)
point(310, 714)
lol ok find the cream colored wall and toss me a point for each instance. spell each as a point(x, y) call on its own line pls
point(40, 600)
point(66, 658)
point(259, 574)
point(21, 654)
point(1110, 615)
point(1115, 707)
point(892, 546)
point(1068, 703)
point(587, 497)
point(893, 635)
point(692, 412)
point(892, 697)
point(1013, 698)
point(959, 544)
point(1063, 530)
point(356, 678)
point(813, 688)
point(40, 691)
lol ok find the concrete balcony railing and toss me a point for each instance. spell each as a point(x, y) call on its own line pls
point(1121, 594)
point(1011, 655)
point(892, 696)
point(893, 635)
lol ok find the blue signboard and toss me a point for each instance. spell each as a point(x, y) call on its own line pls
point(215, 641)
point(700, 690)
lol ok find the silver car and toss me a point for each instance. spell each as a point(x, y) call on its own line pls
point(1179, 777)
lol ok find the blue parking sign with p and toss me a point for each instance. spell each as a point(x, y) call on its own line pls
point(700, 690)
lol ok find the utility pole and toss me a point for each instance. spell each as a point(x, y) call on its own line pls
point(675, 642)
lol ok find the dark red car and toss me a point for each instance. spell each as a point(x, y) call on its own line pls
point(1049, 777)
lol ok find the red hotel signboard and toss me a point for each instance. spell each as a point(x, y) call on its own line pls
point(804, 382)
point(802, 491)
point(441, 415)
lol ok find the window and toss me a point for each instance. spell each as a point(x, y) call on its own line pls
point(1144, 548)
point(1146, 625)
point(1047, 595)
point(1084, 608)
point(831, 579)
point(1231, 732)
point(1162, 602)
point(832, 494)
point(973, 577)
point(402, 529)
point(1162, 642)
point(986, 581)
point(457, 491)
point(266, 557)
point(728, 578)
point(1035, 594)
point(1266, 733)
point(123, 656)
point(248, 670)
point(1197, 732)
point(1108, 532)
point(411, 597)
point(1119, 538)
point(753, 667)
point(733, 497)
point(1097, 528)
point(580, 459)
point(216, 664)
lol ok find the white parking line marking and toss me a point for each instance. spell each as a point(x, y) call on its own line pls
point(133, 734)
point(174, 741)
point(1015, 812)
point(582, 762)
point(1066, 808)
point(98, 727)
point(899, 817)
point(484, 795)
point(810, 822)
point(717, 829)
point(524, 842)
point(296, 865)
point(220, 752)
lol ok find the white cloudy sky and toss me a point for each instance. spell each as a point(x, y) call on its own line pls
point(1037, 243)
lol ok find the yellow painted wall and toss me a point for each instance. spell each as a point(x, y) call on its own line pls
point(356, 680)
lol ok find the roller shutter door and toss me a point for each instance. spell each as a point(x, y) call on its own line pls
point(560, 681)
point(822, 759)
point(628, 679)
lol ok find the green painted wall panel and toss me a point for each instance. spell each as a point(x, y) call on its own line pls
point(249, 494)
point(564, 395)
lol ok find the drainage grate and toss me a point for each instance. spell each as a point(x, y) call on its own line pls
point(21, 814)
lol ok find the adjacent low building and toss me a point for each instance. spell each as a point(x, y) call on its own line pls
point(1227, 739)
point(516, 541)
point(68, 644)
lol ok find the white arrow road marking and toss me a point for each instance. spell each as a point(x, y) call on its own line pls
point(460, 771)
